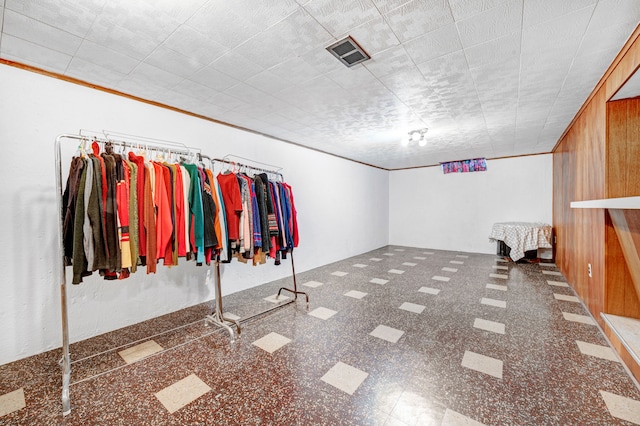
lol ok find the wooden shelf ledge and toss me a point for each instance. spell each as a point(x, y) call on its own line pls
point(623, 203)
point(624, 333)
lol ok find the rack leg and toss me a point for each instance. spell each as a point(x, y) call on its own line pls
point(217, 317)
point(295, 285)
point(65, 362)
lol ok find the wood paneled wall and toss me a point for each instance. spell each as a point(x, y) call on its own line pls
point(582, 171)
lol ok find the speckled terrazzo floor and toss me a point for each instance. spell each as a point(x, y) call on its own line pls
point(402, 336)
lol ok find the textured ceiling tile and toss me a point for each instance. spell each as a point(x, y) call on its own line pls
point(268, 82)
point(616, 12)
point(567, 29)
point(66, 15)
point(419, 17)
point(295, 71)
point(321, 60)
point(16, 49)
point(245, 93)
point(505, 48)
point(140, 17)
point(225, 101)
point(122, 39)
point(235, 65)
point(493, 23)
point(374, 36)
point(155, 75)
point(195, 90)
point(338, 16)
point(388, 62)
point(106, 77)
point(190, 42)
point(434, 44)
point(352, 78)
point(214, 79)
point(174, 62)
point(537, 11)
point(385, 6)
point(106, 58)
point(263, 13)
point(36, 32)
point(463, 9)
point(407, 82)
point(179, 10)
point(139, 87)
point(599, 38)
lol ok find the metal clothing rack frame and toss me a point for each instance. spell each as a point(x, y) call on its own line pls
point(156, 145)
point(217, 317)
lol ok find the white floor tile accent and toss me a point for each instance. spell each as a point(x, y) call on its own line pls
point(493, 302)
point(312, 284)
point(482, 363)
point(387, 254)
point(398, 249)
point(181, 393)
point(501, 260)
point(502, 276)
point(378, 281)
point(427, 252)
point(420, 258)
point(395, 271)
point(457, 262)
point(375, 259)
point(345, 377)
point(483, 324)
point(137, 352)
point(598, 351)
point(359, 265)
point(439, 278)
point(557, 283)
point(429, 290)
point(464, 256)
point(339, 273)
point(497, 287)
point(231, 316)
point(12, 401)
point(566, 298)
point(356, 294)
point(412, 307)
point(409, 264)
point(272, 342)
point(275, 299)
point(323, 313)
point(450, 269)
point(504, 268)
point(389, 334)
point(552, 273)
point(551, 265)
point(584, 319)
point(622, 407)
point(453, 418)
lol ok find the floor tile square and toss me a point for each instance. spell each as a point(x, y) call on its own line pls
point(345, 377)
point(395, 271)
point(453, 418)
point(229, 315)
point(584, 319)
point(550, 265)
point(339, 273)
point(447, 269)
point(556, 273)
point(500, 259)
point(463, 256)
point(181, 393)
point(483, 324)
point(271, 342)
point(427, 252)
point(504, 268)
point(375, 259)
point(497, 287)
point(412, 307)
point(501, 276)
point(622, 407)
point(137, 352)
point(440, 278)
point(12, 401)
point(387, 254)
point(557, 283)
point(356, 294)
point(359, 265)
point(598, 351)
point(420, 258)
point(274, 298)
point(409, 264)
point(378, 281)
point(483, 364)
point(456, 262)
point(429, 290)
point(493, 302)
point(312, 284)
point(398, 249)
point(389, 334)
point(323, 313)
point(566, 298)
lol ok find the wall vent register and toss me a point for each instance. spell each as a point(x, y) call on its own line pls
point(348, 52)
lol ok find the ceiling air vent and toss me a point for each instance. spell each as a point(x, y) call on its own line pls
point(348, 52)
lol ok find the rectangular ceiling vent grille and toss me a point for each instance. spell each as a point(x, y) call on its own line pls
point(348, 52)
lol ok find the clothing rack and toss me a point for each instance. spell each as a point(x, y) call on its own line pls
point(217, 316)
point(154, 145)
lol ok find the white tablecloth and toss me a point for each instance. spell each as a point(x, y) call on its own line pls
point(522, 236)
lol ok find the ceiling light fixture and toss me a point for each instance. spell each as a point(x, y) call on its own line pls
point(416, 136)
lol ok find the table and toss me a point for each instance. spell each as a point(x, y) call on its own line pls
point(522, 236)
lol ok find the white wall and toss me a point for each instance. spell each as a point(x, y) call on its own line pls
point(456, 211)
point(342, 211)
